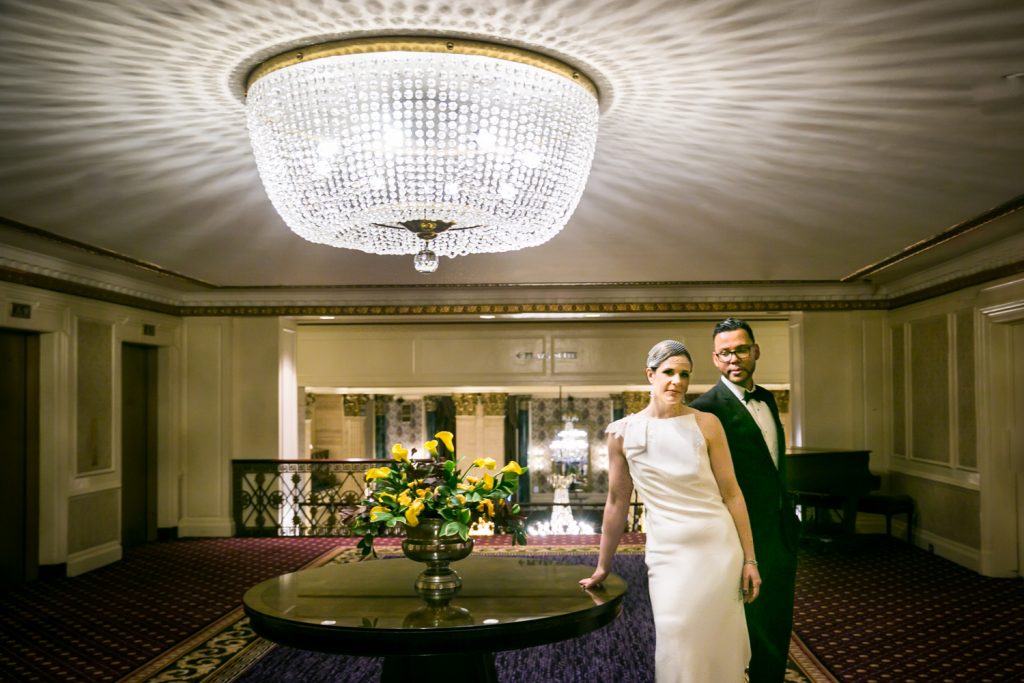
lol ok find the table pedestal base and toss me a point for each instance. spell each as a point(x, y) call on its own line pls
point(476, 666)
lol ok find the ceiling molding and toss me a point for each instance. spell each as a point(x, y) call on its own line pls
point(956, 284)
point(755, 303)
point(98, 251)
point(995, 213)
point(54, 284)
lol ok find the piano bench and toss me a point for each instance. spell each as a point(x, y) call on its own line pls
point(889, 504)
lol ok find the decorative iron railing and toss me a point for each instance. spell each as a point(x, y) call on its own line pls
point(312, 497)
point(296, 497)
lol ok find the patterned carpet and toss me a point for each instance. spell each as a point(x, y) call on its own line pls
point(877, 610)
point(103, 625)
point(881, 610)
point(230, 652)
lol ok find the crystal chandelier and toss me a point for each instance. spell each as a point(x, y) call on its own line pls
point(425, 146)
point(570, 445)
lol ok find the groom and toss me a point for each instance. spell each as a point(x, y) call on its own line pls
point(757, 444)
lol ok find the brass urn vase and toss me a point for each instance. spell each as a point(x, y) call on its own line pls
point(438, 583)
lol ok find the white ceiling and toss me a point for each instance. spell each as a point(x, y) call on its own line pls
point(740, 140)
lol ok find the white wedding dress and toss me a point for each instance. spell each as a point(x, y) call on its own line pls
point(694, 558)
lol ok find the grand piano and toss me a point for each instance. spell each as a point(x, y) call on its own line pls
point(830, 479)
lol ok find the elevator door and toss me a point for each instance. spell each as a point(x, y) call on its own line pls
point(19, 456)
point(138, 444)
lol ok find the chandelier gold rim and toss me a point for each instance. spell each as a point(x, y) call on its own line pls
point(357, 46)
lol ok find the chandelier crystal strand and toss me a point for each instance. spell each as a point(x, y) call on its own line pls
point(404, 152)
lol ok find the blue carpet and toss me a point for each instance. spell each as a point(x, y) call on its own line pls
point(625, 647)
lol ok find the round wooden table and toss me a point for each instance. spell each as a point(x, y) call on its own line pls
point(371, 609)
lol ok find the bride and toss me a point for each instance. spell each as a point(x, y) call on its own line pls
point(700, 552)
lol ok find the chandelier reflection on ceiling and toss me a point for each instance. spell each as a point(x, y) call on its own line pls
point(425, 146)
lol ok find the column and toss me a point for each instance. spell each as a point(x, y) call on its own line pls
point(430, 416)
point(618, 407)
point(468, 439)
point(523, 445)
point(380, 425)
point(354, 443)
point(492, 426)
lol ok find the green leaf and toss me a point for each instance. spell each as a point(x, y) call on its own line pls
point(451, 527)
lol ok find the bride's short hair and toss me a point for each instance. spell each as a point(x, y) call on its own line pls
point(665, 349)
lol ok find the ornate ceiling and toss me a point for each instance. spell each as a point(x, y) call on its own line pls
point(783, 141)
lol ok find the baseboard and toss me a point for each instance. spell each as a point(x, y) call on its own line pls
point(963, 555)
point(205, 527)
point(93, 558)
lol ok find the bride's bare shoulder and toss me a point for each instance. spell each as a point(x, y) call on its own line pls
point(706, 421)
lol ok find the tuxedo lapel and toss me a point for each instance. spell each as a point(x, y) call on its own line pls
point(747, 439)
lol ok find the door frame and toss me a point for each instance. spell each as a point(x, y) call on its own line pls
point(1001, 307)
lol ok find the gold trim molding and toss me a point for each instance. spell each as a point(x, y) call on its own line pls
point(53, 284)
point(435, 45)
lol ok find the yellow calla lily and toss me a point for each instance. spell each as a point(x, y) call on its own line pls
point(486, 463)
point(513, 466)
point(461, 498)
point(377, 473)
point(431, 446)
point(486, 506)
point(447, 438)
point(400, 454)
point(384, 495)
point(488, 482)
point(412, 515)
point(404, 498)
point(422, 493)
point(376, 511)
point(472, 480)
point(465, 486)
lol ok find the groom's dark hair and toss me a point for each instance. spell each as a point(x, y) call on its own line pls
point(731, 325)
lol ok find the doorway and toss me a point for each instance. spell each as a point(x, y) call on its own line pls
point(1017, 433)
point(19, 456)
point(138, 444)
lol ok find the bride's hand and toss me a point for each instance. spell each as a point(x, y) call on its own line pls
point(750, 583)
point(595, 579)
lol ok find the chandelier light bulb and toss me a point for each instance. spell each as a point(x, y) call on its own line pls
point(390, 145)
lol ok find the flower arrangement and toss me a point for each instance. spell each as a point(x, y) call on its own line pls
point(429, 485)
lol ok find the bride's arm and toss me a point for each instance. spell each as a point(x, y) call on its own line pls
point(616, 509)
point(725, 475)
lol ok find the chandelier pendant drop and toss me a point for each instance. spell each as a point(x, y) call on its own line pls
point(426, 146)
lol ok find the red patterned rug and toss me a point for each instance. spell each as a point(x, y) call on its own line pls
point(879, 609)
point(105, 624)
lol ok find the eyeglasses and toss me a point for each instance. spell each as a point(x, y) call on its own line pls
point(740, 353)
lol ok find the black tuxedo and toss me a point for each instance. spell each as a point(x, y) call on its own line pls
point(774, 525)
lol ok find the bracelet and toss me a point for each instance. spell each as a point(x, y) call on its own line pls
point(753, 562)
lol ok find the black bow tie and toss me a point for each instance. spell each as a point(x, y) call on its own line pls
point(757, 394)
